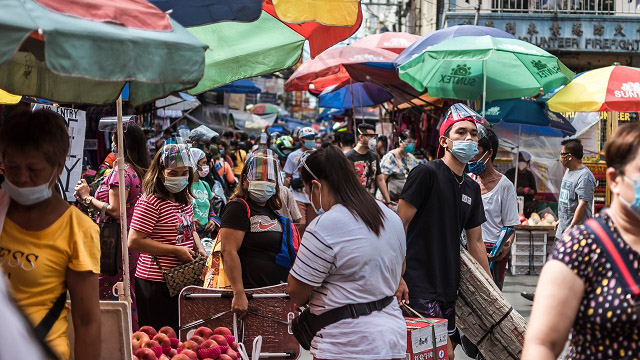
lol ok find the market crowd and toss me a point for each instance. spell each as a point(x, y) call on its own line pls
point(377, 231)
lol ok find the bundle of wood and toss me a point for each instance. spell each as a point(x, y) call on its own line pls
point(485, 316)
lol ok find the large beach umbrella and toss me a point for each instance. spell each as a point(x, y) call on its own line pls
point(474, 67)
point(441, 35)
point(325, 70)
point(348, 96)
point(611, 88)
point(203, 12)
point(390, 40)
point(244, 86)
point(83, 51)
point(241, 50)
point(268, 109)
point(334, 13)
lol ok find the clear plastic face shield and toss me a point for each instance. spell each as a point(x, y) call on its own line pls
point(461, 112)
point(263, 165)
point(110, 123)
point(175, 154)
point(202, 133)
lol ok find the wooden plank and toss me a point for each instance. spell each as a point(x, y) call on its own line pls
point(479, 309)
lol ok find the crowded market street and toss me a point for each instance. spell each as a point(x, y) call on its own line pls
point(319, 180)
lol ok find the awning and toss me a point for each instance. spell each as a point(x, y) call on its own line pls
point(423, 100)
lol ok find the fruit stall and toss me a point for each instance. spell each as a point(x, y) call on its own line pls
point(532, 245)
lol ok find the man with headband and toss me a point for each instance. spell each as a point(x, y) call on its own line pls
point(437, 203)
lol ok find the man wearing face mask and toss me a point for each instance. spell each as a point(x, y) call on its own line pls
point(437, 203)
point(366, 162)
point(499, 200)
point(251, 231)
point(307, 136)
point(526, 182)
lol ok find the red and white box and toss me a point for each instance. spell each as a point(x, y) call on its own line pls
point(426, 339)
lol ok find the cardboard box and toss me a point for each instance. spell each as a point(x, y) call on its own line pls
point(426, 339)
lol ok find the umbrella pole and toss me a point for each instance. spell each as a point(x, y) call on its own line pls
point(515, 180)
point(126, 293)
point(484, 85)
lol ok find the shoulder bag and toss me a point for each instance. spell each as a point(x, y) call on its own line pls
point(396, 181)
point(619, 261)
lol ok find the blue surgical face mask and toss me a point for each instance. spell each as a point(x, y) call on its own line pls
point(464, 150)
point(175, 184)
point(261, 191)
point(478, 167)
point(310, 144)
point(409, 148)
point(635, 204)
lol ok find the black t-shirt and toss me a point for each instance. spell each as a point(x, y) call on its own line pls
point(444, 209)
point(367, 167)
point(261, 243)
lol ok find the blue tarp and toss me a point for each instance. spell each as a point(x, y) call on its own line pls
point(202, 12)
point(244, 86)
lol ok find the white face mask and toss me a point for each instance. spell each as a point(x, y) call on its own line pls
point(319, 211)
point(28, 195)
point(522, 165)
point(175, 184)
point(261, 191)
point(204, 172)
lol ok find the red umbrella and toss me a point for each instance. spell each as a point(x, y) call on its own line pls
point(327, 68)
point(392, 41)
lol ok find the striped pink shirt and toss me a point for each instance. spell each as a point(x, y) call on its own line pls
point(165, 221)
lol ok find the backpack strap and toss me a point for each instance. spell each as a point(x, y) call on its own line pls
point(47, 322)
point(247, 205)
point(621, 263)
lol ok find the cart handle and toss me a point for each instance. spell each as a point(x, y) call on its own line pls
point(191, 296)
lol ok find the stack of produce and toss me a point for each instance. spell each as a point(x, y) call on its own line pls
point(536, 220)
point(205, 344)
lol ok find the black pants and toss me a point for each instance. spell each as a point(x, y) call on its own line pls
point(155, 307)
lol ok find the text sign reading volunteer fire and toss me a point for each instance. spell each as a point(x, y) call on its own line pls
point(76, 123)
point(563, 32)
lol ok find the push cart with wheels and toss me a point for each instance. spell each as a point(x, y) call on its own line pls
point(269, 315)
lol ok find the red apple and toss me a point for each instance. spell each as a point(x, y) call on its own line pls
point(190, 345)
point(220, 339)
point(172, 353)
point(208, 344)
point(222, 331)
point(149, 331)
point(145, 354)
point(168, 330)
point(174, 342)
point(232, 354)
point(163, 340)
point(197, 339)
point(163, 357)
point(209, 349)
point(181, 357)
point(230, 338)
point(150, 344)
point(204, 332)
point(191, 354)
point(234, 346)
point(225, 357)
point(137, 339)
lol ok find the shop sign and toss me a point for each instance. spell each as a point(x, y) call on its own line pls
point(588, 33)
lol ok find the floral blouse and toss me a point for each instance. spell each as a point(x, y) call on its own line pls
point(392, 164)
point(606, 326)
point(132, 183)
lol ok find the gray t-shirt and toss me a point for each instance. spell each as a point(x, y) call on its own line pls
point(576, 185)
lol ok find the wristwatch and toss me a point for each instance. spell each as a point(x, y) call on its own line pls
point(88, 200)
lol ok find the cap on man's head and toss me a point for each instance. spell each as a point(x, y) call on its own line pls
point(459, 112)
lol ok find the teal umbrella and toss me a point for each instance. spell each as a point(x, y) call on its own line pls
point(84, 51)
point(474, 67)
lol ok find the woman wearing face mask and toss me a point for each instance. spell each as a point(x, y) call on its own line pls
point(591, 284)
point(526, 182)
point(107, 199)
point(163, 231)
point(250, 230)
point(202, 195)
point(352, 253)
point(48, 247)
point(397, 164)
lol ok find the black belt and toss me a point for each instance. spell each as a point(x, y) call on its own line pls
point(351, 311)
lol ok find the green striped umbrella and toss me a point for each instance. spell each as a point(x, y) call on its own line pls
point(83, 51)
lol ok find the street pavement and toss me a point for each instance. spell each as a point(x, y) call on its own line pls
point(513, 285)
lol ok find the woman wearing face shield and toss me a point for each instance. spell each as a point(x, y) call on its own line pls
point(202, 195)
point(591, 284)
point(47, 247)
point(397, 163)
point(352, 253)
point(163, 231)
point(251, 231)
